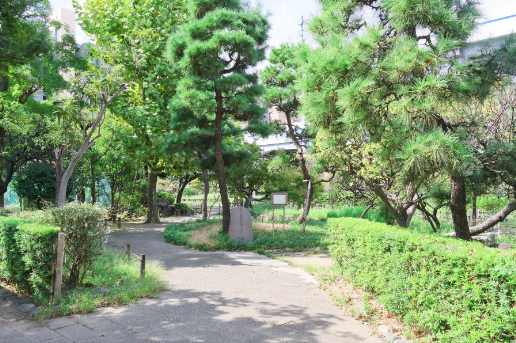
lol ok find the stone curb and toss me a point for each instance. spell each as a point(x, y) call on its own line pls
point(23, 305)
point(392, 338)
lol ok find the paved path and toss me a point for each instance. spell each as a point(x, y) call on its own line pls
point(213, 297)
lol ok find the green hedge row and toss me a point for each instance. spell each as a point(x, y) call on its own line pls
point(456, 291)
point(26, 255)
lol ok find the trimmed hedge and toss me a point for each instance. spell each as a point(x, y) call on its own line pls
point(456, 291)
point(26, 255)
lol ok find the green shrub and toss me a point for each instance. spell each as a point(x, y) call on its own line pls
point(373, 214)
point(490, 203)
point(26, 255)
point(11, 265)
point(184, 207)
point(456, 291)
point(189, 191)
point(170, 197)
point(4, 212)
point(85, 235)
point(35, 216)
point(36, 241)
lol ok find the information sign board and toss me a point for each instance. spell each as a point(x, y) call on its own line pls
point(279, 199)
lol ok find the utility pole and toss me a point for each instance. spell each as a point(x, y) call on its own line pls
point(302, 28)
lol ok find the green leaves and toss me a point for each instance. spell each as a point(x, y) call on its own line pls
point(449, 290)
point(26, 255)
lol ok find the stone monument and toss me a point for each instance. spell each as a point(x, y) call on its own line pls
point(240, 227)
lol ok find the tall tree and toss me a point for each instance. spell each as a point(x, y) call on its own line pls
point(142, 26)
point(23, 34)
point(215, 52)
point(92, 93)
point(383, 73)
point(281, 92)
point(30, 60)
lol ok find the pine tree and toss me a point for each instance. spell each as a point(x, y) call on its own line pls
point(215, 51)
point(378, 86)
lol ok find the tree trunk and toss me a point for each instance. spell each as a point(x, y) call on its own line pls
point(366, 210)
point(401, 218)
point(308, 202)
point(2, 203)
point(88, 142)
point(2, 140)
point(410, 213)
point(81, 197)
point(4, 83)
point(430, 217)
point(204, 205)
point(181, 188)
point(248, 200)
point(59, 171)
point(93, 187)
point(474, 211)
point(395, 206)
point(302, 165)
point(152, 202)
point(434, 217)
point(223, 189)
point(114, 208)
point(492, 221)
point(458, 207)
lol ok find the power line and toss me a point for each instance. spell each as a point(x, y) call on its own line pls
point(498, 19)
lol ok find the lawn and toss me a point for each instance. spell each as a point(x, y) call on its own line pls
point(207, 235)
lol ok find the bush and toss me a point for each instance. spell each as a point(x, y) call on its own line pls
point(189, 191)
point(184, 207)
point(170, 197)
point(26, 255)
point(490, 203)
point(356, 211)
point(4, 212)
point(85, 235)
point(456, 291)
point(36, 216)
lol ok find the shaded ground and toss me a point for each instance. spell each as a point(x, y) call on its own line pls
point(213, 297)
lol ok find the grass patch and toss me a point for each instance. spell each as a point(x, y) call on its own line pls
point(507, 239)
point(207, 235)
point(266, 208)
point(114, 272)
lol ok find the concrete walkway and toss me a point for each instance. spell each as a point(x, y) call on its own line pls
point(213, 297)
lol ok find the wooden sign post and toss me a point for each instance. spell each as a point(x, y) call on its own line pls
point(279, 199)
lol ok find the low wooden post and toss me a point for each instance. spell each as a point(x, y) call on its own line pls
point(128, 251)
point(284, 225)
point(59, 265)
point(142, 266)
point(119, 225)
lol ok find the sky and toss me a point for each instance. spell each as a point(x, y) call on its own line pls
point(285, 16)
